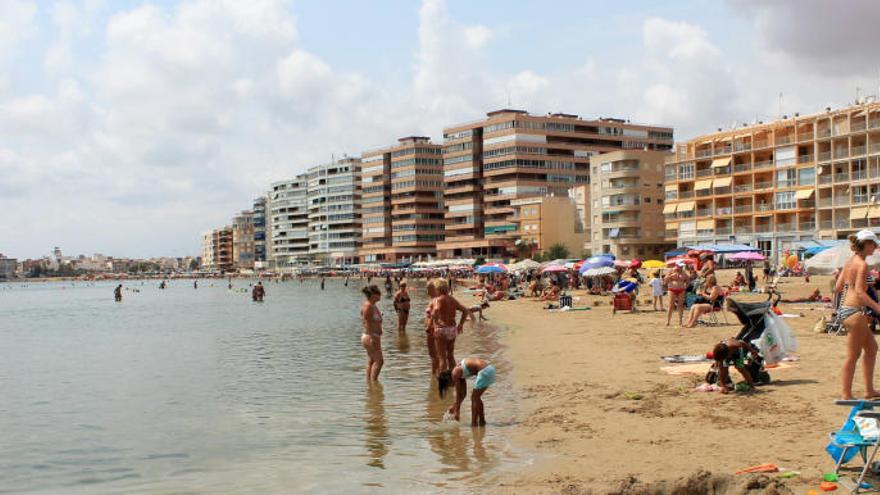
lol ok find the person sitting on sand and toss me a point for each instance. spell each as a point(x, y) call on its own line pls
point(533, 288)
point(732, 352)
point(738, 280)
point(551, 293)
point(710, 299)
point(484, 376)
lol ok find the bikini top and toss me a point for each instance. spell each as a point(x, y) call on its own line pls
point(465, 372)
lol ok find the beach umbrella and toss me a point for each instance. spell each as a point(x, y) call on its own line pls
point(747, 256)
point(554, 269)
point(651, 264)
point(492, 268)
point(598, 261)
point(622, 263)
point(635, 263)
point(677, 260)
point(598, 272)
point(834, 258)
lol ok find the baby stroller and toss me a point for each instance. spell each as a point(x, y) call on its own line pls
point(751, 315)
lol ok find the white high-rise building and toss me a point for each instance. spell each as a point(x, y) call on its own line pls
point(288, 221)
point(334, 224)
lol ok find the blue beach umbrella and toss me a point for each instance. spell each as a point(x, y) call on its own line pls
point(492, 268)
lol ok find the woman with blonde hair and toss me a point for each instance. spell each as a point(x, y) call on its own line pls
point(852, 285)
point(710, 300)
point(443, 309)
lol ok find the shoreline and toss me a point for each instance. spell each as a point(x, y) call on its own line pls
point(602, 417)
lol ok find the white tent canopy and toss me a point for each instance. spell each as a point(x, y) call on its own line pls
point(834, 258)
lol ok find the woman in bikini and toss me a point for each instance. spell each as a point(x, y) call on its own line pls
point(372, 336)
point(711, 298)
point(852, 286)
point(676, 283)
point(401, 305)
point(429, 330)
point(484, 377)
point(443, 310)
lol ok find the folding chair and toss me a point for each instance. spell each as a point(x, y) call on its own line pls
point(850, 440)
point(713, 315)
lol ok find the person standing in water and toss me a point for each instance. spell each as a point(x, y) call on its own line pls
point(322, 282)
point(195, 284)
point(402, 305)
point(429, 330)
point(389, 286)
point(484, 376)
point(443, 310)
point(117, 293)
point(258, 292)
point(371, 338)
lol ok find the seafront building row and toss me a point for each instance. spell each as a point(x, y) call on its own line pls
point(514, 184)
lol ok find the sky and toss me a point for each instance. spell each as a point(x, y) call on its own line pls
point(129, 127)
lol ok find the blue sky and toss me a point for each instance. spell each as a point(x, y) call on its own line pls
point(127, 127)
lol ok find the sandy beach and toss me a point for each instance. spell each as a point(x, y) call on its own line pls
point(604, 418)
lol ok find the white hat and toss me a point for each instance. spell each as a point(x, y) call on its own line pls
point(867, 235)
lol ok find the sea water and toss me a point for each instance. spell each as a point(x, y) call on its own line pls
point(189, 390)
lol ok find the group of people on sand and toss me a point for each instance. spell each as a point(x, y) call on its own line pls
point(444, 322)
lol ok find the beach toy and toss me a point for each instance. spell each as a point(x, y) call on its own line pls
point(788, 475)
point(827, 486)
point(829, 477)
point(760, 468)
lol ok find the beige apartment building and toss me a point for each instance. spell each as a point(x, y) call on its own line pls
point(626, 214)
point(243, 240)
point(217, 249)
point(402, 201)
point(772, 184)
point(511, 155)
point(543, 221)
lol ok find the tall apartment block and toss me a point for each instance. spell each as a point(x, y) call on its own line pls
point(334, 200)
point(243, 240)
point(627, 194)
point(261, 228)
point(288, 220)
point(772, 184)
point(402, 201)
point(512, 154)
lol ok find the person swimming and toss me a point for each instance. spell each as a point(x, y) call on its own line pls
point(371, 338)
point(484, 377)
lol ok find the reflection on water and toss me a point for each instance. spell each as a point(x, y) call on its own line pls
point(204, 391)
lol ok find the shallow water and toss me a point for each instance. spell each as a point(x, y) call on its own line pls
point(203, 391)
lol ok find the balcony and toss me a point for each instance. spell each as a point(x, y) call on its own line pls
point(841, 177)
point(805, 136)
point(742, 188)
point(825, 179)
point(824, 156)
point(841, 201)
point(704, 212)
point(743, 229)
point(723, 231)
point(841, 223)
point(860, 199)
point(761, 143)
point(706, 172)
point(764, 207)
point(840, 153)
point(857, 126)
point(785, 227)
point(703, 153)
point(859, 174)
point(702, 193)
point(806, 204)
point(759, 186)
point(726, 210)
point(742, 167)
point(742, 147)
point(784, 140)
point(763, 227)
point(786, 183)
point(671, 234)
point(763, 164)
point(670, 177)
point(685, 194)
point(823, 133)
point(723, 150)
point(786, 206)
point(875, 148)
point(806, 158)
point(874, 123)
point(826, 225)
point(858, 150)
point(743, 209)
point(808, 226)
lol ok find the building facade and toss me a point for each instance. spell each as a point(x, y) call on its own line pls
point(8, 267)
point(222, 246)
point(262, 232)
point(544, 221)
point(207, 259)
point(511, 155)
point(243, 241)
point(772, 184)
point(402, 201)
point(288, 220)
point(626, 213)
point(334, 217)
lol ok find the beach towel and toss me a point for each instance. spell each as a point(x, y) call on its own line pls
point(703, 368)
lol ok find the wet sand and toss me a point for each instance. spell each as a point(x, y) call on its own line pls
point(601, 416)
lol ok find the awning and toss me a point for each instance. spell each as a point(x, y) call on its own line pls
point(804, 194)
point(858, 212)
point(705, 224)
point(687, 206)
point(723, 248)
point(720, 162)
point(670, 208)
point(874, 211)
point(703, 184)
point(671, 225)
point(723, 182)
point(672, 187)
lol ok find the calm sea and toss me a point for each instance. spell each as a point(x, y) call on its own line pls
point(203, 391)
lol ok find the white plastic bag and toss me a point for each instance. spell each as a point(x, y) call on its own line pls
point(776, 341)
point(783, 330)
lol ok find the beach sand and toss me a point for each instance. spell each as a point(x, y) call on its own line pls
point(601, 417)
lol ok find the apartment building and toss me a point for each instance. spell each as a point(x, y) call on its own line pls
point(512, 154)
point(288, 220)
point(334, 218)
point(402, 201)
point(772, 184)
point(262, 227)
point(207, 260)
point(217, 250)
point(8, 267)
point(542, 221)
point(243, 241)
point(626, 214)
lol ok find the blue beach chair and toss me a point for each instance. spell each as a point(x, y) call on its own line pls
point(848, 441)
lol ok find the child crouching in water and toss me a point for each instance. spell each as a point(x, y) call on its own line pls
point(484, 376)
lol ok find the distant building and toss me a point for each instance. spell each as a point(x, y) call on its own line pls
point(287, 219)
point(581, 197)
point(511, 155)
point(222, 246)
point(207, 261)
point(402, 201)
point(542, 221)
point(262, 229)
point(627, 198)
point(8, 267)
point(334, 202)
point(243, 241)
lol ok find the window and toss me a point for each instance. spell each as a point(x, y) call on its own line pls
point(785, 200)
point(806, 176)
point(647, 200)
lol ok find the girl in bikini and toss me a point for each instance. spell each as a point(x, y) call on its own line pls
point(371, 339)
point(852, 285)
point(401, 305)
point(484, 376)
point(443, 310)
point(676, 283)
